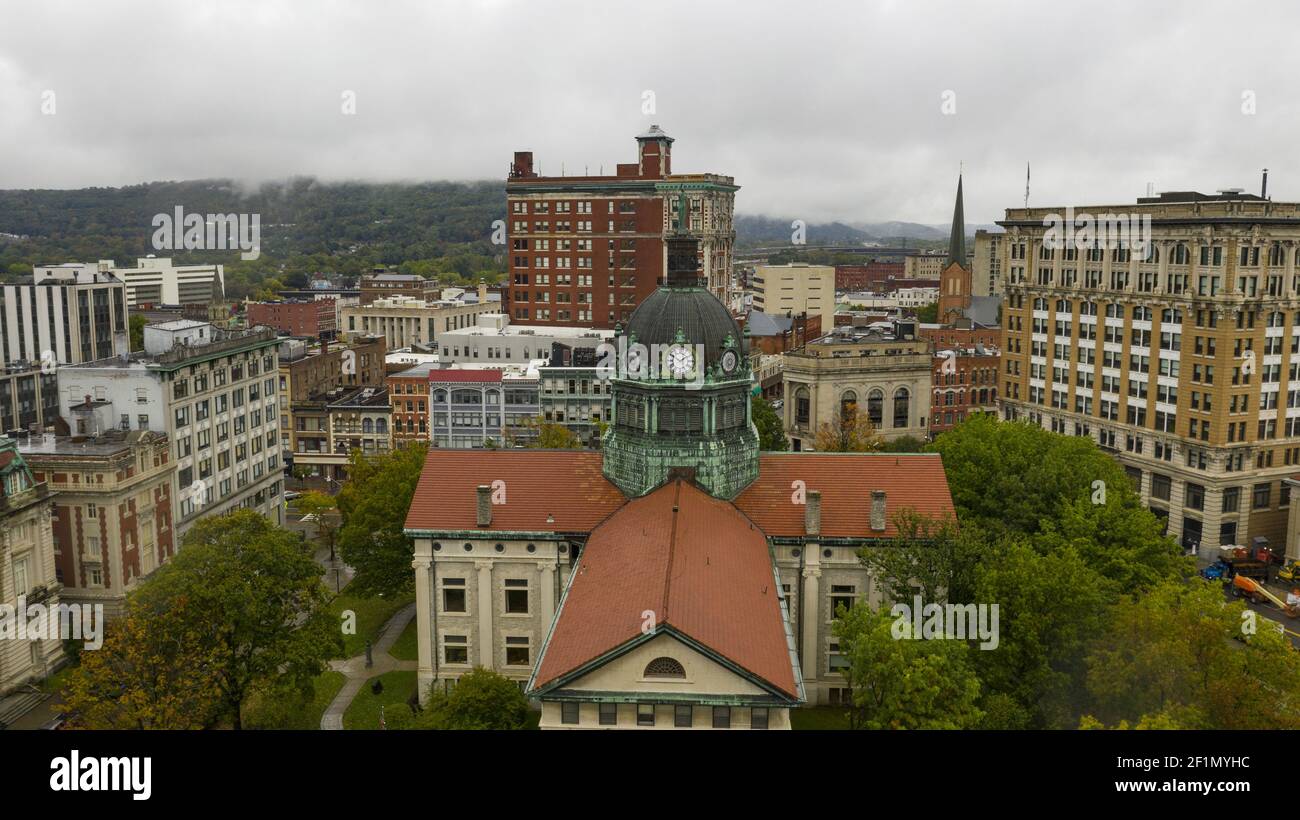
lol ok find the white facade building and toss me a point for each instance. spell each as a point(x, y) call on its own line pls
point(159, 282)
point(494, 341)
point(213, 393)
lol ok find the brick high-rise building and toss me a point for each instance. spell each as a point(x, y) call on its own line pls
point(586, 250)
point(1095, 337)
point(873, 275)
point(312, 318)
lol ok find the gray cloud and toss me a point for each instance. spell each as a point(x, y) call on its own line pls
point(821, 111)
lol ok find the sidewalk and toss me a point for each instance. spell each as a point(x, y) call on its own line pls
point(356, 672)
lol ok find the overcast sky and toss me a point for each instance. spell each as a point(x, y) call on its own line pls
point(820, 110)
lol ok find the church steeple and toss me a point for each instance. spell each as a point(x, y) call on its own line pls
point(957, 239)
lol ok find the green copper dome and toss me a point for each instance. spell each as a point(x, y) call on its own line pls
point(692, 316)
point(698, 427)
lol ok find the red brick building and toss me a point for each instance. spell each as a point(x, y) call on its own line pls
point(308, 318)
point(772, 334)
point(380, 284)
point(585, 250)
point(112, 510)
point(964, 382)
point(869, 277)
point(949, 336)
point(408, 391)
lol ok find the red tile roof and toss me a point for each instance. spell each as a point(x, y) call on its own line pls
point(460, 375)
point(695, 561)
point(846, 480)
point(565, 484)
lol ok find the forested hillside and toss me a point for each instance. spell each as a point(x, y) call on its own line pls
point(440, 228)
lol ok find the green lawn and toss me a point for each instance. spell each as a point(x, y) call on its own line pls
point(406, 648)
point(371, 615)
point(364, 711)
point(307, 716)
point(819, 717)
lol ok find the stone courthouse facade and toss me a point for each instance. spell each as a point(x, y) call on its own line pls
point(677, 578)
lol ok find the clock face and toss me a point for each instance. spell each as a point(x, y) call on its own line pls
point(680, 360)
point(729, 361)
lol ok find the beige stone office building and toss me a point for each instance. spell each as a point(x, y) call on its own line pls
point(885, 374)
point(27, 568)
point(924, 265)
point(990, 264)
point(212, 392)
point(1182, 358)
point(112, 508)
point(404, 321)
point(794, 289)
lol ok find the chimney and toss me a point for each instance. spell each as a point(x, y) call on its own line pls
point(482, 292)
point(812, 513)
point(877, 510)
point(1263, 186)
point(484, 512)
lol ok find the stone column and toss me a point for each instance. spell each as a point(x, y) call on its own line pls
point(548, 593)
point(425, 639)
point(1288, 269)
point(486, 633)
point(811, 618)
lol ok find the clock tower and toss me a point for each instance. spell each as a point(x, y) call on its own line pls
point(681, 391)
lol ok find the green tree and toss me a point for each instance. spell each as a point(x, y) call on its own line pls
point(1061, 491)
point(933, 559)
point(481, 699)
point(254, 599)
point(851, 433)
point(928, 314)
point(374, 503)
point(136, 324)
point(1168, 656)
point(1049, 607)
point(905, 444)
point(771, 429)
point(323, 511)
point(547, 435)
point(904, 683)
point(155, 670)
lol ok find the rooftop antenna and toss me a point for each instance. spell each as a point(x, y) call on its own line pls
point(1026, 184)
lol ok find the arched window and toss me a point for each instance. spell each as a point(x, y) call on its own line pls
point(664, 667)
point(367, 426)
point(876, 406)
point(848, 406)
point(901, 407)
point(801, 406)
point(381, 425)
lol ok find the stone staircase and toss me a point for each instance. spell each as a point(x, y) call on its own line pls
point(20, 703)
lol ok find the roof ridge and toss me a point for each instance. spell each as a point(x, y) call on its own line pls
point(672, 553)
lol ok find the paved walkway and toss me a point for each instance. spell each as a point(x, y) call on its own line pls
point(357, 673)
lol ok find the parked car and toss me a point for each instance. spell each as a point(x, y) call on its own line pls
point(291, 496)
